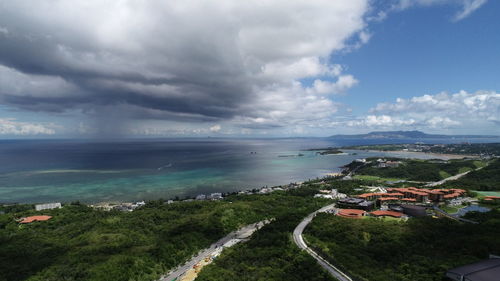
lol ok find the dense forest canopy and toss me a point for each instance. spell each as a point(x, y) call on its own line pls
point(420, 249)
point(80, 243)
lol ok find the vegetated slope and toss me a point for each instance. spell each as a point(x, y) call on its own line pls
point(80, 243)
point(417, 250)
point(419, 170)
point(485, 179)
point(270, 255)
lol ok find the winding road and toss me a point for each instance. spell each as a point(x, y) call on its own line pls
point(455, 177)
point(298, 239)
point(240, 235)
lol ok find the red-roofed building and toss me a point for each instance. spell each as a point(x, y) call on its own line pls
point(351, 213)
point(35, 218)
point(387, 213)
point(451, 196)
point(418, 194)
point(388, 199)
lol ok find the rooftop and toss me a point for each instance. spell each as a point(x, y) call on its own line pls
point(387, 213)
point(350, 213)
point(35, 218)
point(486, 270)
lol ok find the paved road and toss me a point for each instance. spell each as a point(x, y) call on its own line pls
point(241, 233)
point(297, 238)
point(455, 177)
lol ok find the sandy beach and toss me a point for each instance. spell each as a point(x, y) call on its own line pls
point(437, 155)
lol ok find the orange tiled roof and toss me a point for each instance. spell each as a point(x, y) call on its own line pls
point(364, 195)
point(394, 194)
point(453, 195)
point(35, 218)
point(351, 213)
point(388, 198)
point(387, 213)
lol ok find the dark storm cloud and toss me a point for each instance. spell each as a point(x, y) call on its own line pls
point(197, 89)
point(185, 61)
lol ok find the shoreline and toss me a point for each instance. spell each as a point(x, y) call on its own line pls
point(441, 155)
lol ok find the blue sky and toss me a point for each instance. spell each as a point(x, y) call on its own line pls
point(421, 51)
point(224, 68)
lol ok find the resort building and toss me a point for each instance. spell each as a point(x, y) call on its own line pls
point(355, 203)
point(414, 211)
point(424, 195)
point(351, 213)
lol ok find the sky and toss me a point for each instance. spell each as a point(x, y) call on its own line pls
point(123, 68)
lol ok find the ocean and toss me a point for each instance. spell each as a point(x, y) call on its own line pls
point(131, 170)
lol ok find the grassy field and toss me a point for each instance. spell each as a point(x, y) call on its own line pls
point(416, 169)
point(451, 209)
point(487, 193)
point(382, 218)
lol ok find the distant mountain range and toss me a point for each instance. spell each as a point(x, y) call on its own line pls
point(406, 135)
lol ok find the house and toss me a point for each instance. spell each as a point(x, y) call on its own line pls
point(34, 218)
point(388, 164)
point(47, 206)
point(201, 197)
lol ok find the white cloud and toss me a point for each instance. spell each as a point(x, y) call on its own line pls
point(376, 121)
point(481, 104)
point(462, 110)
point(343, 83)
point(467, 7)
point(215, 128)
point(9, 126)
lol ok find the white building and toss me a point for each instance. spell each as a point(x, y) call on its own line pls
point(216, 196)
point(47, 206)
point(201, 197)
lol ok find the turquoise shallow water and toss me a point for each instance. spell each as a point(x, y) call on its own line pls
point(44, 171)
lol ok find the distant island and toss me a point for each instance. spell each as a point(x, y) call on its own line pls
point(326, 151)
point(407, 135)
